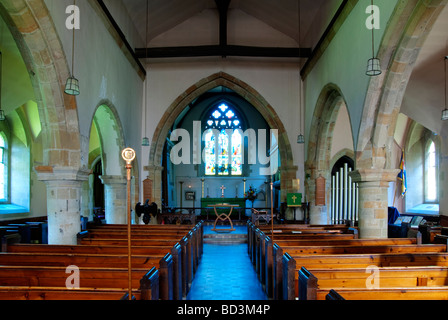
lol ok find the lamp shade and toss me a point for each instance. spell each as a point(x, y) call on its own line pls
point(301, 139)
point(72, 86)
point(445, 114)
point(373, 67)
point(145, 142)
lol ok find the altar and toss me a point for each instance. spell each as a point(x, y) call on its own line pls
point(209, 202)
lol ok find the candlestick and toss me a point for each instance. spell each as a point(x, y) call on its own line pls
point(203, 182)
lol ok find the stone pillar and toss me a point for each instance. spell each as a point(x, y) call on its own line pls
point(64, 194)
point(288, 175)
point(155, 175)
point(318, 214)
point(115, 201)
point(373, 185)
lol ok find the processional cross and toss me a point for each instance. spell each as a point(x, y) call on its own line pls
point(222, 190)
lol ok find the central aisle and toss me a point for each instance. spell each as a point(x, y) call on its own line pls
point(226, 273)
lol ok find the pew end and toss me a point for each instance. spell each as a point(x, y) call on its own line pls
point(149, 285)
point(333, 295)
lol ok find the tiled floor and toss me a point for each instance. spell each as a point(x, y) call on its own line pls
point(226, 273)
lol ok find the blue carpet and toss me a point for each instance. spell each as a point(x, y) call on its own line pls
point(226, 273)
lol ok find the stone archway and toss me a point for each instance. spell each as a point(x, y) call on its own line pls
point(287, 170)
point(113, 177)
point(318, 163)
point(406, 34)
point(37, 39)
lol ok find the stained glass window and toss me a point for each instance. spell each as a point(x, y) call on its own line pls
point(223, 153)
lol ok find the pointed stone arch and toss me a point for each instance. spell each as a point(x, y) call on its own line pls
point(288, 170)
point(318, 162)
point(407, 31)
point(33, 30)
point(405, 36)
point(32, 27)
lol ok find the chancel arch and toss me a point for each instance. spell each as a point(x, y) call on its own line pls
point(287, 170)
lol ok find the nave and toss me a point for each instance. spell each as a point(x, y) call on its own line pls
point(226, 273)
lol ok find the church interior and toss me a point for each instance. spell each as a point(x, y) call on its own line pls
point(325, 120)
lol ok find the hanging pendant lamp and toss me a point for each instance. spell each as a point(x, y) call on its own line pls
point(145, 140)
point(373, 64)
point(72, 84)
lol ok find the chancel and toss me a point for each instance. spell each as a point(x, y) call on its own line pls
point(212, 95)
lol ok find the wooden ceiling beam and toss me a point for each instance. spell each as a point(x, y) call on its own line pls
point(223, 51)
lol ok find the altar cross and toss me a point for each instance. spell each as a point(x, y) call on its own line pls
point(222, 190)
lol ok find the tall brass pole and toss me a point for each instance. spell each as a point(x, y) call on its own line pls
point(128, 155)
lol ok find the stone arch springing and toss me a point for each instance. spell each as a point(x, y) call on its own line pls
point(111, 137)
point(405, 36)
point(288, 170)
point(34, 32)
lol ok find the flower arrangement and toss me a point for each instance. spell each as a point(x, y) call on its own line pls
point(251, 194)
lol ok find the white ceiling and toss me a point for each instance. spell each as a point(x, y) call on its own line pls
point(282, 15)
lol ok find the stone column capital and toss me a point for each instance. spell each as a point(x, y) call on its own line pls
point(379, 177)
point(50, 173)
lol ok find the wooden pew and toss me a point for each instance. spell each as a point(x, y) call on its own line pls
point(415, 293)
point(292, 264)
point(388, 277)
point(58, 293)
point(110, 278)
point(261, 251)
point(111, 257)
point(257, 238)
point(163, 264)
point(175, 251)
point(274, 269)
point(191, 243)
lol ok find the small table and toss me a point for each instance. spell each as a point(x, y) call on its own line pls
point(224, 216)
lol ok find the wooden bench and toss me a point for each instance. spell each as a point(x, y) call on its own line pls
point(104, 278)
point(310, 281)
point(415, 293)
point(256, 237)
point(58, 293)
point(292, 264)
point(163, 264)
point(191, 243)
point(261, 251)
point(107, 260)
point(175, 251)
